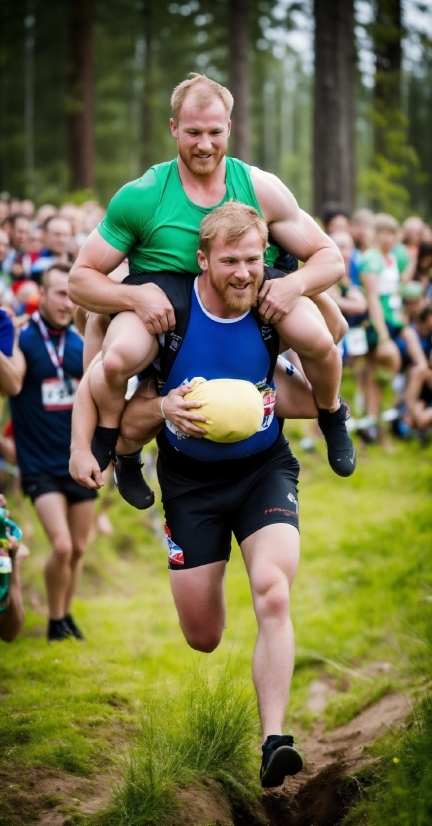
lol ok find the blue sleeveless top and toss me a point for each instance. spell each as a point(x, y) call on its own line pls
point(220, 348)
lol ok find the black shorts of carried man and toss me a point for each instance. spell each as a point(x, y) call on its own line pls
point(205, 502)
point(35, 485)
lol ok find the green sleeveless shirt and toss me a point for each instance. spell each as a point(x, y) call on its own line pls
point(156, 225)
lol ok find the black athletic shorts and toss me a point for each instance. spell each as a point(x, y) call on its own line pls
point(35, 485)
point(205, 502)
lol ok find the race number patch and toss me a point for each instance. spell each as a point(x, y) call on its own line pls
point(175, 553)
point(269, 400)
point(59, 394)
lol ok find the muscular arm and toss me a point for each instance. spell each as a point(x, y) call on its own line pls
point(90, 288)
point(83, 466)
point(298, 233)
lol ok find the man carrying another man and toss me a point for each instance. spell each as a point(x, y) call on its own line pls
point(155, 221)
point(247, 486)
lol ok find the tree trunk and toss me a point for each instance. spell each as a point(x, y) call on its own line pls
point(387, 33)
point(80, 108)
point(334, 104)
point(147, 109)
point(238, 33)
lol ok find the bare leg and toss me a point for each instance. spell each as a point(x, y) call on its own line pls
point(332, 315)
point(80, 518)
point(305, 331)
point(418, 370)
point(199, 598)
point(52, 511)
point(294, 393)
point(271, 556)
point(95, 332)
point(128, 349)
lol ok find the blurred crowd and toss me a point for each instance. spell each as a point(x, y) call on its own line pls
point(385, 297)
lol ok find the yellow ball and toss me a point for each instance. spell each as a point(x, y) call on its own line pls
point(233, 408)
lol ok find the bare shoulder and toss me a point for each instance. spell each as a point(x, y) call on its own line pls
point(275, 199)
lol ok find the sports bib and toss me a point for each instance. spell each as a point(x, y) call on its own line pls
point(356, 341)
point(59, 394)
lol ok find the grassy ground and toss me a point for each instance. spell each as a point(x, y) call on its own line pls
point(363, 595)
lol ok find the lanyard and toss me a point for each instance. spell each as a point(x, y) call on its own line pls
point(56, 357)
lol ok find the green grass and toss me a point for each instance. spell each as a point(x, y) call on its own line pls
point(396, 788)
point(362, 595)
point(203, 731)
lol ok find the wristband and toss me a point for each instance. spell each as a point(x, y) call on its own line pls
point(162, 410)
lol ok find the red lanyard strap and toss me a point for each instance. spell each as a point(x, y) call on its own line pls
point(56, 357)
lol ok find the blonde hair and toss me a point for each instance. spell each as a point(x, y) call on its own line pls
point(384, 221)
point(206, 90)
point(234, 217)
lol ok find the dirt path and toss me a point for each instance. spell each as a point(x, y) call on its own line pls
point(312, 797)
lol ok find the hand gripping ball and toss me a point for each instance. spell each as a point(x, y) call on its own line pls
point(233, 408)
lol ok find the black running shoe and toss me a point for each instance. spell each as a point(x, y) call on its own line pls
point(131, 483)
point(57, 631)
point(280, 759)
point(74, 631)
point(340, 449)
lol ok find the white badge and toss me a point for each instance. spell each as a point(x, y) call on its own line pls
point(356, 341)
point(59, 394)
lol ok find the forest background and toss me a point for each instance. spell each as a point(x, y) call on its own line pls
point(334, 96)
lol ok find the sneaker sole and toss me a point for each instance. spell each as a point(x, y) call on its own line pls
point(284, 762)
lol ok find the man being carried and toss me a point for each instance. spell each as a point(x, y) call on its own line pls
point(155, 222)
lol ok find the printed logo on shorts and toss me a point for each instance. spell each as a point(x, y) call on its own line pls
point(175, 553)
point(292, 499)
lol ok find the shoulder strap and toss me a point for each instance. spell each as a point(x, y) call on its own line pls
point(173, 341)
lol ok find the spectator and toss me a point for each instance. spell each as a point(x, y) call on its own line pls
point(4, 251)
point(412, 233)
point(12, 615)
point(335, 218)
point(44, 212)
point(423, 272)
point(33, 249)
point(9, 359)
point(4, 209)
point(19, 227)
point(57, 237)
point(50, 365)
point(362, 230)
point(381, 280)
point(423, 408)
point(28, 208)
point(73, 214)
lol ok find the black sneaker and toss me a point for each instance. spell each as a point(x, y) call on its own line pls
point(340, 449)
point(57, 631)
point(280, 759)
point(74, 631)
point(131, 483)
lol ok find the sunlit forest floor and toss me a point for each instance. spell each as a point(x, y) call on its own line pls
point(361, 606)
